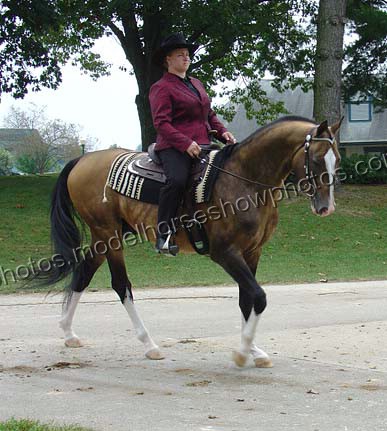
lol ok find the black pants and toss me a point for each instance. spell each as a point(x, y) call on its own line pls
point(177, 167)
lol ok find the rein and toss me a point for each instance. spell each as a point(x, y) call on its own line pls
point(308, 172)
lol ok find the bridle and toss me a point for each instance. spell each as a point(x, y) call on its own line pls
point(308, 172)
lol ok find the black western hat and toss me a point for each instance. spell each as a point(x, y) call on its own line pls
point(174, 41)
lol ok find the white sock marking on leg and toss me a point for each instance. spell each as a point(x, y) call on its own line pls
point(141, 332)
point(248, 332)
point(256, 352)
point(68, 314)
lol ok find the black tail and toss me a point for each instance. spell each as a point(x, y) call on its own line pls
point(65, 235)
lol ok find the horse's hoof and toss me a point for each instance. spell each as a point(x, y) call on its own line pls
point(73, 342)
point(263, 363)
point(239, 359)
point(154, 354)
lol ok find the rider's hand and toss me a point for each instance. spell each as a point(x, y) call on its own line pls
point(194, 150)
point(229, 137)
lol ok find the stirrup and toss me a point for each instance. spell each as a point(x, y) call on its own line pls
point(166, 247)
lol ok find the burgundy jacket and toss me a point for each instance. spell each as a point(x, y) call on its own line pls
point(180, 116)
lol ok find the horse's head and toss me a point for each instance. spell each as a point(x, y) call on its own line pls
point(316, 165)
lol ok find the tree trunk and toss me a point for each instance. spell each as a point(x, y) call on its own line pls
point(329, 60)
point(148, 133)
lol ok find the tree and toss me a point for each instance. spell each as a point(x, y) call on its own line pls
point(36, 40)
point(56, 143)
point(366, 72)
point(329, 59)
point(240, 41)
point(266, 36)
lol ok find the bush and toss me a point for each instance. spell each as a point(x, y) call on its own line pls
point(5, 162)
point(363, 169)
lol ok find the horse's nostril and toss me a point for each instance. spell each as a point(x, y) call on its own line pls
point(322, 210)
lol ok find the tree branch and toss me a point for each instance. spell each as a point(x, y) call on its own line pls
point(132, 42)
point(208, 59)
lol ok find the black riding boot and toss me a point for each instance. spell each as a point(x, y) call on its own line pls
point(177, 167)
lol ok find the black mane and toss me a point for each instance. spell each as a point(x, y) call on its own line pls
point(274, 123)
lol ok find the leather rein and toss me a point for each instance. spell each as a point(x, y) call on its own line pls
point(308, 172)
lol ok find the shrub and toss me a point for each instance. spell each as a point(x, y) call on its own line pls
point(364, 169)
point(5, 162)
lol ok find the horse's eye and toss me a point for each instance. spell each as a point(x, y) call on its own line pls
point(317, 161)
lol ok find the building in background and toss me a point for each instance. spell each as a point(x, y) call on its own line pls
point(13, 139)
point(364, 130)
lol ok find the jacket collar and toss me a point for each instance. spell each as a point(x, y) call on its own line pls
point(171, 77)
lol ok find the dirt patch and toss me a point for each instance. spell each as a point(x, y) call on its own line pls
point(373, 387)
point(26, 369)
point(19, 369)
point(201, 383)
point(187, 341)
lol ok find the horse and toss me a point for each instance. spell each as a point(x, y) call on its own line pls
point(236, 229)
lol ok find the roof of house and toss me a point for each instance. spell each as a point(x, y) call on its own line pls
point(10, 138)
point(299, 103)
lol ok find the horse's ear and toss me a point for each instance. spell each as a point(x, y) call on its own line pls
point(335, 127)
point(322, 128)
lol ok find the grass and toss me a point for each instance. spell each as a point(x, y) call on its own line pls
point(349, 245)
point(29, 425)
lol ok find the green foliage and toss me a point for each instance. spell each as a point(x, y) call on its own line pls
point(31, 165)
point(240, 42)
point(364, 169)
point(38, 37)
point(31, 425)
point(5, 162)
point(266, 36)
point(366, 71)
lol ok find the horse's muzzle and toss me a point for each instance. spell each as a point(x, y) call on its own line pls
point(321, 208)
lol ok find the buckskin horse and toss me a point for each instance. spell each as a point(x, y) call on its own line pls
point(261, 162)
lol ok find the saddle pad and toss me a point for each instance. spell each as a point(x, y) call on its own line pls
point(132, 185)
point(147, 190)
point(217, 158)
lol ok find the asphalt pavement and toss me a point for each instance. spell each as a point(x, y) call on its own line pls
point(328, 344)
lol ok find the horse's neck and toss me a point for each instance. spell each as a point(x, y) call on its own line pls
point(268, 156)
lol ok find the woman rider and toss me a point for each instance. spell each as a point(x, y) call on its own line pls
point(182, 117)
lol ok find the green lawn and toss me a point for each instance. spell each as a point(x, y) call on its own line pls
point(28, 425)
point(349, 245)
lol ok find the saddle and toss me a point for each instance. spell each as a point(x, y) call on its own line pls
point(148, 165)
point(140, 176)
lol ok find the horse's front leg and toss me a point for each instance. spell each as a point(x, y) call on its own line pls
point(252, 302)
point(260, 357)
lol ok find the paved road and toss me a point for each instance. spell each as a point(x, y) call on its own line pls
point(327, 342)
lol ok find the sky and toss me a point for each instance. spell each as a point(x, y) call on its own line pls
point(105, 108)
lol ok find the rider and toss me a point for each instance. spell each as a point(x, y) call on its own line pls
point(182, 117)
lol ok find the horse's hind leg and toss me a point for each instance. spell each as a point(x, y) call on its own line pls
point(81, 279)
point(66, 321)
point(122, 286)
